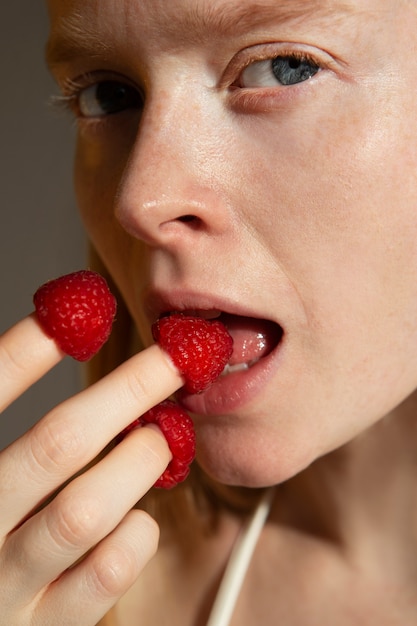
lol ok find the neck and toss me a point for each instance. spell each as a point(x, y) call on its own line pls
point(363, 497)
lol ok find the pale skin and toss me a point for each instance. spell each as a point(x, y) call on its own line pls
point(214, 185)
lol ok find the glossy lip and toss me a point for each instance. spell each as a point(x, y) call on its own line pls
point(236, 389)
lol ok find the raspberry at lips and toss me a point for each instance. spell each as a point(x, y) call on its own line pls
point(199, 348)
point(77, 310)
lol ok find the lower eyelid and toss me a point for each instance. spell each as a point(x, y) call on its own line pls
point(268, 99)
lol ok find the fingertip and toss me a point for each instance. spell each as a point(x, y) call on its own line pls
point(26, 354)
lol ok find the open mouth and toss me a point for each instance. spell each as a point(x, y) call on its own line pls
point(253, 339)
point(251, 366)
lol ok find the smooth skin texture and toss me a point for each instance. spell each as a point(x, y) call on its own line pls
point(37, 547)
point(294, 213)
point(205, 182)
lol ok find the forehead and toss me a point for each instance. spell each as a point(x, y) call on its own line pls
point(195, 12)
point(200, 21)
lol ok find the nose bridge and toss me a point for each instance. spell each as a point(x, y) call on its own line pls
point(163, 128)
point(170, 174)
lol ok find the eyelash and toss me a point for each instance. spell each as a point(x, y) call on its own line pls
point(298, 56)
point(268, 97)
point(72, 90)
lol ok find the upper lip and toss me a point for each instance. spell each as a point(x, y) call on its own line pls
point(160, 303)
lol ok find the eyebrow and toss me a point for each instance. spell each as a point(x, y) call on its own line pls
point(241, 18)
point(77, 37)
point(74, 37)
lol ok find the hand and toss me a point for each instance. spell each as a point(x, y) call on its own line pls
point(69, 561)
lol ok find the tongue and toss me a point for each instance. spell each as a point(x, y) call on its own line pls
point(252, 338)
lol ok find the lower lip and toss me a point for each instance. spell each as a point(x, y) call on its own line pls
point(235, 390)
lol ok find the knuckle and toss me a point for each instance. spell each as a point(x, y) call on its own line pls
point(150, 450)
point(55, 446)
point(112, 574)
point(138, 386)
point(115, 568)
point(11, 363)
point(74, 520)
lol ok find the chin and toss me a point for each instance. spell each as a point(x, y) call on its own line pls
point(255, 465)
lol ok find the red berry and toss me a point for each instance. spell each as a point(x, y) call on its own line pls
point(178, 430)
point(199, 348)
point(77, 310)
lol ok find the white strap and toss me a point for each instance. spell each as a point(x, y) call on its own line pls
point(238, 564)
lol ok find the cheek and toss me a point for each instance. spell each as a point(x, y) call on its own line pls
point(97, 174)
point(96, 184)
point(102, 153)
point(98, 170)
point(336, 206)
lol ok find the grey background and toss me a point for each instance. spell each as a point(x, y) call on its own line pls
point(40, 232)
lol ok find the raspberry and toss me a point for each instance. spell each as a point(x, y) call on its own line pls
point(178, 430)
point(77, 310)
point(199, 348)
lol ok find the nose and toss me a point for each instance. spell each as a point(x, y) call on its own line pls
point(171, 190)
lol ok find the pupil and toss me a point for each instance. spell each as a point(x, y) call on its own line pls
point(111, 96)
point(290, 70)
point(294, 63)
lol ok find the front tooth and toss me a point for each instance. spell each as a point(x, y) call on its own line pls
point(239, 367)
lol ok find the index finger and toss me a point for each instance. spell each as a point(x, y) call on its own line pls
point(26, 354)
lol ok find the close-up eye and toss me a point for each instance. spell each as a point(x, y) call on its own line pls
point(107, 98)
point(281, 70)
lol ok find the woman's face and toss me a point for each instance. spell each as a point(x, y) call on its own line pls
point(259, 159)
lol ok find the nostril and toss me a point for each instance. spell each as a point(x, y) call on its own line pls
point(187, 218)
point(182, 223)
point(191, 220)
